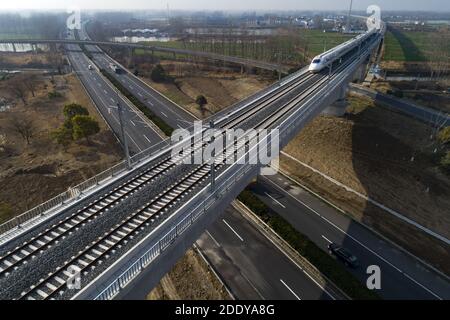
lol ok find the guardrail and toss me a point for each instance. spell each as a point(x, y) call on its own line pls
point(77, 191)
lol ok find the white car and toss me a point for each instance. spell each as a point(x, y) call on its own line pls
point(90, 67)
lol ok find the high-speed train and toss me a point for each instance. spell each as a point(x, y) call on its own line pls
point(325, 59)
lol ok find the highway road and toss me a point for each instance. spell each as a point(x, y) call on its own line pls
point(172, 114)
point(139, 134)
point(253, 267)
point(403, 277)
point(424, 114)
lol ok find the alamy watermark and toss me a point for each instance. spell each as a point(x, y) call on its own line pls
point(227, 146)
point(73, 22)
point(374, 280)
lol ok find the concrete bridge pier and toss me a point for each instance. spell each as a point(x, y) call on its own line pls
point(361, 72)
point(337, 108)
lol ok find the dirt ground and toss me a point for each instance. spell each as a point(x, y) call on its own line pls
point(221, 86)
point(190, 279)
point(25, 59)
point(32, 174)
point(371, 150)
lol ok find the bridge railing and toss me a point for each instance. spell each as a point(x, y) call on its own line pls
point(76, 192)
point(63, 198)
point(180, 228)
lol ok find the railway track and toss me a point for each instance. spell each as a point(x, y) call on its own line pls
point(98, 251)
point(51, 236)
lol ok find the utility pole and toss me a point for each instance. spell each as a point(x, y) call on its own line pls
point(279, 66)
point(347, 28)
point(213, 168)
point(122, 132)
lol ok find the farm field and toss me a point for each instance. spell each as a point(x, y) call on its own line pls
point(417, 46)
point(296, 47)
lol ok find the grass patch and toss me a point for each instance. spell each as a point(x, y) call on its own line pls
point(293, 47)
point(414, 46)
point(19, 36)
point(147, 112)
point(308, 249)
point(6, 212)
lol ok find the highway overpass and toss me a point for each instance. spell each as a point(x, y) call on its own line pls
point(201, 54)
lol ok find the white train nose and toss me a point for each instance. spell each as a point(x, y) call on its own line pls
point(315, 67)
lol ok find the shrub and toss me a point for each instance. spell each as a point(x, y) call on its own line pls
point(444, 135)
point(74, 109)
point(63, 136)
point(147, 112)
point(54, 95)
point(6, 211)
point(445, 163)
point(201, 101)
point(84, 127)
point(158, 74)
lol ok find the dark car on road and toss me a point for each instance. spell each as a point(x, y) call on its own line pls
point(344, 255)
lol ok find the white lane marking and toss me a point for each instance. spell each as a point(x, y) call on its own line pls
point(140, 94)
point(112, 99)
point(326, 239)
point(253, 286)
point(275, 200)
point(292, 291)
point(134, 141)
point(147, 138)
point(133, 123)
point(165, 115)
point(137, 113)
point(213, 239)
point(354, 239)
point(234, 231)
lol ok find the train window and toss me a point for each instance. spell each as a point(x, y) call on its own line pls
point(316, 61)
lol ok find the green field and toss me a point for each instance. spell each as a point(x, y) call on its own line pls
point(5, 36)
point(317, 41)
point(415, 46)
point(293, 47)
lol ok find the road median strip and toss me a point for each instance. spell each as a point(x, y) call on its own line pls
point(325, 269)
point(160, 123)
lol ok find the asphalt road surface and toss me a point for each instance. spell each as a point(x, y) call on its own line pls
point(402, 276)
point(139, 134)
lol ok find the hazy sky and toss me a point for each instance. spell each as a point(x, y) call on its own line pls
point(428, 5)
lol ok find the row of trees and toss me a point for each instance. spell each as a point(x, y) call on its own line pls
point(77, 125)
point(283, 47)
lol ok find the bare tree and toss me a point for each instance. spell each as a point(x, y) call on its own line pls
point(25, 127)
point(30, 84)
point(3, 142)
point(55, 59)
point(18, 89)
